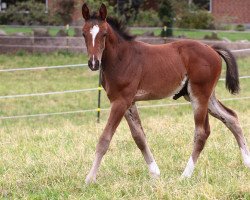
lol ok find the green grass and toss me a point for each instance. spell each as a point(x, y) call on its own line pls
point(193, 34)
point(196, 34)
point(49, 157)
point(29, 31)
point(233, 36)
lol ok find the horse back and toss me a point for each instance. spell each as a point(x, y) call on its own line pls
point(168, 67)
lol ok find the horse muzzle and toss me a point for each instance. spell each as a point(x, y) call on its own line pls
point(94, 64)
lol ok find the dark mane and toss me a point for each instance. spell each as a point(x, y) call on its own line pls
point(120, 28)
point(117, 25)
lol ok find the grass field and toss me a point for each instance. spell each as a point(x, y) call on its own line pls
point(49, 157)
point(29, 30)
point(199, 34)
point(193, 34)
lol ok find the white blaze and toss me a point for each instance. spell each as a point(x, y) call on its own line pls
point(93, 61)
point(94, 31)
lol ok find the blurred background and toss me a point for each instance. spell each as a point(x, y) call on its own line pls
point(49, 103)
point(178, 14)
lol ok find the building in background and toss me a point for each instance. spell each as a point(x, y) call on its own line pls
point(231, 11)
point(224, 11)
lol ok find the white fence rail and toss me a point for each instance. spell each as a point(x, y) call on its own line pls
point(72, 91)
point(86, 90)
point(106, 109)
point(42, 68)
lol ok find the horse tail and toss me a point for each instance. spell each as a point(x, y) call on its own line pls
point(232, 74)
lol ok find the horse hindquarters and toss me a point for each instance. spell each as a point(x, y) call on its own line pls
point(203, 73)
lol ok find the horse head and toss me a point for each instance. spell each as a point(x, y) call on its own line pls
point(94, 33)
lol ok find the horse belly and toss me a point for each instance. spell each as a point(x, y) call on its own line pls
point(163, 75)
point(169, 89)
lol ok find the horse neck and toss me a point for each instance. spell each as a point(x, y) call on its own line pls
point(114, 46)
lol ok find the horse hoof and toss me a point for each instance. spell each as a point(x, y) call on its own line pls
point(246, 158)
point(185, 176)
point(90, 179)
point(155, 175)
point(247, 162)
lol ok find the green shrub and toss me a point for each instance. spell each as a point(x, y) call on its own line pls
point(95, 5)
point(213, 36)
point(166, 15)
point(240, 27)
point(26, 13)
point(21, 53)
point(64, 10)
point(147, 18)
point(197, 19)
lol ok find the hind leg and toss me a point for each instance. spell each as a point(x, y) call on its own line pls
point(138, 135)
point(202, 132)
point(230, 119)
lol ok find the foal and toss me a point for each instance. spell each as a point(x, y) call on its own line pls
point(134, 71)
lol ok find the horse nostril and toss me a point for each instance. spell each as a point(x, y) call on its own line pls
point(97, 63)
point(90, 63)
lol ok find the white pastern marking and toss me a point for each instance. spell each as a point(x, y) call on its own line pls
point(94, 31)
point(154, 169)
point(246, 157)
point(189, 169)
point(93, 61)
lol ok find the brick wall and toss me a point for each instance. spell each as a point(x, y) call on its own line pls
point(231, 11)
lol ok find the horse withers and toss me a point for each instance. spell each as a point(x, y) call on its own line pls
point(135, 71)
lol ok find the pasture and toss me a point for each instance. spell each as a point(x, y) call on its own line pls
point(188, 33)
point(49, 157)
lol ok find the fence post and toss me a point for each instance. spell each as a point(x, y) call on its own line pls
point(99, 97)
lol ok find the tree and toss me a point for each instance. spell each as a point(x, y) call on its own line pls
point(166, 16)
point(65, 9)
point(129, 9)
point(26, 13)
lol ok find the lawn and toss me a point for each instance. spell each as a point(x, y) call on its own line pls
point(49, 157)
point(10, 30)
point(199, 34)
point(193, 34)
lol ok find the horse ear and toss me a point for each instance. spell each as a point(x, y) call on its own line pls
point(85, 11)
point(103, 12)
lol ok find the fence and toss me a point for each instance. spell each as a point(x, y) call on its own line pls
point(98, 109)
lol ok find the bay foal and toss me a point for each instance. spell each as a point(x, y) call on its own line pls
point(134, 71)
